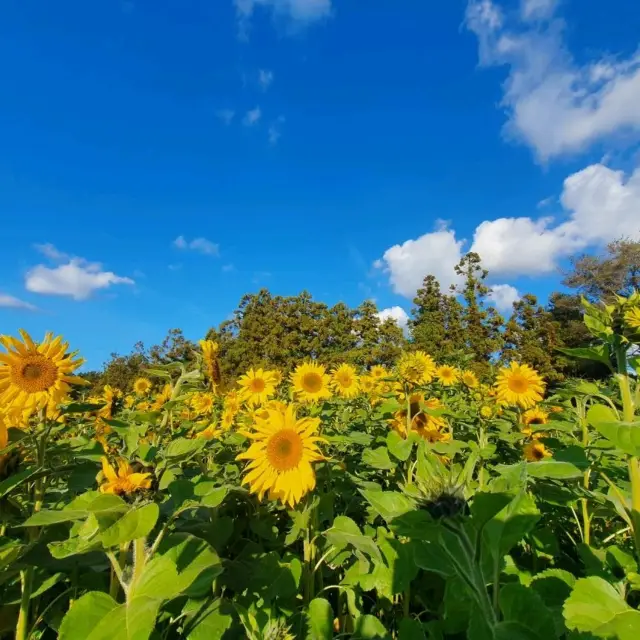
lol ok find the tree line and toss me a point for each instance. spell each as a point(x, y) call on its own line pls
point(457, 326)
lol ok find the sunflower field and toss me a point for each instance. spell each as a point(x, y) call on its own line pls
point(415, 501)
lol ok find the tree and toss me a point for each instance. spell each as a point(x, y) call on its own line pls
point(481, 324)
point(602, 277)
point(532, 336)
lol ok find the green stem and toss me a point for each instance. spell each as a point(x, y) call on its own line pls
point(586, 518)
point(310, 552)
point(139, 558)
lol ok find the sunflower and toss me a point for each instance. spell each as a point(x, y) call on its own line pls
point(281, 454)
point(632, 318)
point(162, 398)
point(417, 367)
point(447, 375)
point(276, 376)
point(129, 401)
point(142, 386)
point(535, 416)
point(378, 371)
point(32, 375)
point(202, 403)
point(209, 433)
point(210, 361)
point(486, 411)
point(226, 421)
point(311, 382)
point(431, 427)
point(125, 480)
point(368, 384)
point(519, 384)
point(469, 379)
point(344, 381)
point(110, 398)
point(536, 451)
point(256, 386)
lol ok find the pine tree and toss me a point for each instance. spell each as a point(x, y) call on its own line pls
point(427, 325)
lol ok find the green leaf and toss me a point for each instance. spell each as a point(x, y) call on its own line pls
point(398, 446)
point(553, 586)
point(85, 614)
point(389, 406)
point(16, 480)
point(624, 435)
point(598, 354)
point(184, 448)
point(524, 606)
point(378, 459)
point(345, 532)
point(388, 504)
point(410, 629)
point(510, 524)
point(368, 628)
point(594, 606)
point(553, 469)
point(210, 495)
point(137, 523)
point(598, 413)
point(210, 623)
point(320, 619)
point(80, 407)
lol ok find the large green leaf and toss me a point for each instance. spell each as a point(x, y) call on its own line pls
point(398, 446)
point(598, 354)
point(208, 622)
point(510, 524)
point(137, 523)
point(85, 614)
point(320, 620)
point(16, 480)
point(598, 413)
point(524, 606)
point(624, 435)
point(553, 469)
point(184, 448)
point(345, 532)
point(410, 629)
point(388, 504)
point(378, 459)
point(594, 606)
point(370, 628)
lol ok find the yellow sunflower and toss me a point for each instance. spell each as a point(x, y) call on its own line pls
point(232, 402)
point(632, 318)
point(281, 454)
point(129, 401)
point(378, 371)
point(486, 411)
point(417, 367)
point(256, 386)
point(142, 386)
point(469, 379)
point(368, 384)
point(124, 480)
point(110, 397)
point(162, 398)
point(202, 403)
point(226, 421)
point(535, 451)
point(447, 375)
point(210, 350)
point(311, 382)
point(519, 384)
point(33, 375)
point(344, 381)
point(209, 433)
point(276, 376)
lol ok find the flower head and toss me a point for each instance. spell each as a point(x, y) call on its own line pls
point(519, 384)
point(124, 480)
point(311, 382)
point(344, 381)
point(256, 386)
point(142, 386)
point(469, 379)
point(447, 375)
point(536, 451)
point(417, 367)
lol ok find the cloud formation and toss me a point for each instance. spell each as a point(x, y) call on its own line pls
point(298, 13)
point(11, 302)
point(200, 245)
point(553, 104)
point(398, 315)
point(503, 296)
point(252, 117)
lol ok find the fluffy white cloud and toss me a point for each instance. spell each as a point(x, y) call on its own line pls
point(11, 302)
point(397, 314)
point(265, 78)
point(51, 252)
point(201, 245)
point(252, 117)
point(554, 104)
point(434, 253)
point(298, 11)
point(77, 279)
point(503, 296)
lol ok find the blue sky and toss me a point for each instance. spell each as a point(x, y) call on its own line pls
point(160, 158)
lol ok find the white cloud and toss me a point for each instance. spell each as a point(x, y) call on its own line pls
point(77, 279)
point(397, 314)
point(11, 302)
point(554, 104)
point(252, 117)
point(226, 115)
point(275, 130)
point(265, 78)
point(434, 253)
point(503, 296)
point(226, 268)
point(201, 245)
point(48, 250)
point(299, 13)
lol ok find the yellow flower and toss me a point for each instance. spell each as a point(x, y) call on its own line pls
point(33, 375)
point(257, 386)
point(232, 402)
point(311, 382)
point(210, 351)
point(110, 397)
point(142, 386)
point(447, 375)
point(417, 367)
point(519, 384)
point(276, 376)
point(202, 403)
point(536, 451)
point(125, 480)
point(535, 416)
point(281, 454)
point(632, 318)
point(486, 411)
point(469, 379)
point(226, 421)
point(212, 431)
point(163, 397)
point(129, 401)
point(368, 384)
point(378, 371)
point(344, 381)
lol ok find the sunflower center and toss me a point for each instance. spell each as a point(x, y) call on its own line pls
point(35, 373)
point(518, 384)
point(344, 380)
point(536, 421)
point(312, 382)
point(257, 385)
point(284, 450)
point(538, 453)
